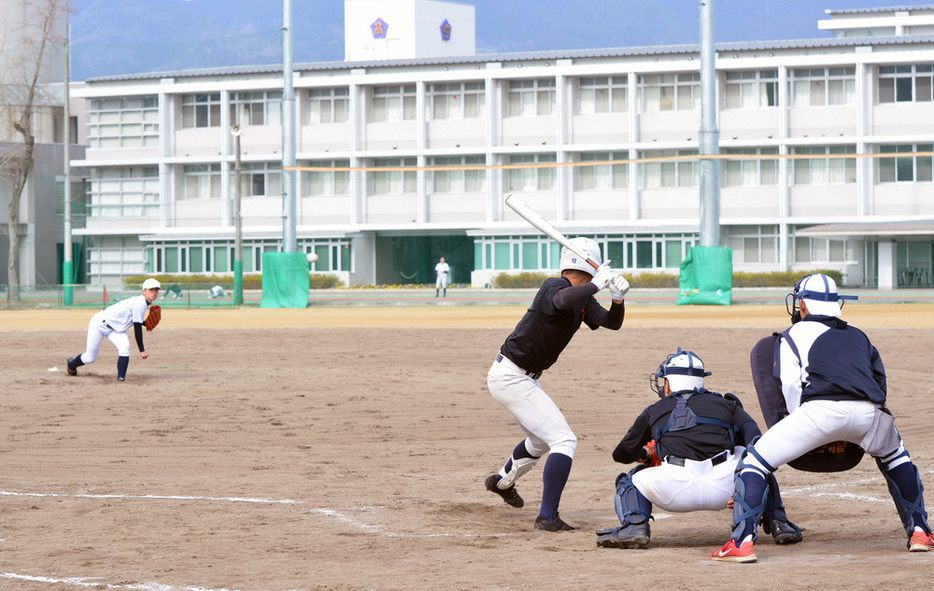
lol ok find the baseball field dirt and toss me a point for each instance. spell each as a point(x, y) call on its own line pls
point(345, 449)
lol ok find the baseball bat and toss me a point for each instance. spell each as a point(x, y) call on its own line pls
point(532, 217)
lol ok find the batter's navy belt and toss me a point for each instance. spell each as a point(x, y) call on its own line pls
point(532, 374)
point(714, 461)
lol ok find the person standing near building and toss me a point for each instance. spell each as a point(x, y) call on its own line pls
point(112, 323)
point(559, 308)
point(834, 389)
point(442, 270)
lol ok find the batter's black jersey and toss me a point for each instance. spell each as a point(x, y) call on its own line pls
point(697, 443)
point(545, 331)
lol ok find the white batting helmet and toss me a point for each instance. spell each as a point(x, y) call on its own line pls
point(684, 370)
point(570, 260)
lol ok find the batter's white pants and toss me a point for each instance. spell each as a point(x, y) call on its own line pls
point(696, 486)
point(819, 422)
point(97, 330)
point(534, 411)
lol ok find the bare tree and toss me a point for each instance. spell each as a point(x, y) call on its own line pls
point(21, 80)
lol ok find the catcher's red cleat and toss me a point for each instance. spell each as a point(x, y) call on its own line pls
point(920, 542)
point(731, 553)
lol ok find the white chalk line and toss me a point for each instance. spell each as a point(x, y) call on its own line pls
point(97, 584)
point(156, 497)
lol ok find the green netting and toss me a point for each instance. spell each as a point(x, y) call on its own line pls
point(707, 276)
point(285, 280)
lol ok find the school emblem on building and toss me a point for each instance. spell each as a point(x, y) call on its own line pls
point(379, 28)
point(445, 30)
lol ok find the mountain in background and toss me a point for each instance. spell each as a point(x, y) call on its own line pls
point(115, 37)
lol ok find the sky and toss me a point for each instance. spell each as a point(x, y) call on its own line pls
point(115, 37)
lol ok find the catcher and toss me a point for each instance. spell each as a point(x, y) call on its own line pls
point(113, 323)
point(689, 444)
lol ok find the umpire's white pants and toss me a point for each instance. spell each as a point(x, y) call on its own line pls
point(696, 486)
point(534, 411)
point(97, 331)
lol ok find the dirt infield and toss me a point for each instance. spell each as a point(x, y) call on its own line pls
point(333, 449)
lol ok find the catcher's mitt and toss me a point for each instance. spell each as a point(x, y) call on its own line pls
point(153, 318)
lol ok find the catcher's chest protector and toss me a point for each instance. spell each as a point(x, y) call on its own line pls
point(764, 362)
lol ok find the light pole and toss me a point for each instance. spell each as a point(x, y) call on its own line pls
point(238, 241)
point(68, 265)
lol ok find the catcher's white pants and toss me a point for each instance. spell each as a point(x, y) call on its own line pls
point(696, 486)
point(97, 331)
point(819, 422)
point(534, 411)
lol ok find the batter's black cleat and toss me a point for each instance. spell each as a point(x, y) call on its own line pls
point(557, 525)
point(510, 495)
point(783, 532)
point(634, 536)
point(71, 370)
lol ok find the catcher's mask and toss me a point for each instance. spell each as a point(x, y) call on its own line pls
point(819, 292)
point(684, 370)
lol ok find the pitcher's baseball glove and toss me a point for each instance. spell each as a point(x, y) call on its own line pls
point(153, 318)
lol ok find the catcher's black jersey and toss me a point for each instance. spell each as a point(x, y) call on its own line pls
point(545, 331)
point(697, 443)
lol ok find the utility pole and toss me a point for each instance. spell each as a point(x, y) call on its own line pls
point(238, 240)
point(289, 243)
point(709, 134)
point(68, 266)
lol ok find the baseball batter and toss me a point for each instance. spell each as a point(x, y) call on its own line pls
point(112, 323)
point(834, 388)
point(689, 443)
point(559, 308)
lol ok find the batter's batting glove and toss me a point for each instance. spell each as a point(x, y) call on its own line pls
point(602, 275)
point(618, 287)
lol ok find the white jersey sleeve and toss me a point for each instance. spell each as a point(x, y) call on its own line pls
point(122, 315)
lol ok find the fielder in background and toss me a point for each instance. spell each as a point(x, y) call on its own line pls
point(688, 444)
point(834, 389)
point(442, 270)
point(113, 323)
point(559, 308)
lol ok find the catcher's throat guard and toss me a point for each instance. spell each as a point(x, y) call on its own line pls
point(763, 359)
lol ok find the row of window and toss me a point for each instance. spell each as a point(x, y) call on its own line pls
point(218, 256)
point(133, 122)
point(118, 192)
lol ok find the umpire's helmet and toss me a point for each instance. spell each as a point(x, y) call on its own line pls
point(684, 371)
point(570, 260)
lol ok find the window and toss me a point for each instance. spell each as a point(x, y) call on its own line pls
point(673, 173)
point(259, 179)
point(201, 110)
point(603, 95)
point(131, 122)
point(823, 250)
point(908, 168)
point(527, 98)
point(531, 178)
point(323, 182)
point(458, 100)
point(333, 255)
point(457, 181)
point(669, 92)
point(753, 244)
point(815, 87)
point(328, 105)
point(824, 171)
point(750, 172)
point(394, 103)
point(602, 176)
point(202, 181)
point(905, 84)
point(393, 181)
point(124, 192)
point(256, 108)
point(751, 90)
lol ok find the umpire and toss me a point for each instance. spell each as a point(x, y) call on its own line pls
point(834, 388)
point(689, 444)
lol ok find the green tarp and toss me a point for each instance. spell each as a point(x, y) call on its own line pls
point(285, 280)
point(707, 276)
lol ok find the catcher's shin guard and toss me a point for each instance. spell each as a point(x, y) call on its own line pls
point(907, 492)
point(749, 499)
point(632, 508)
